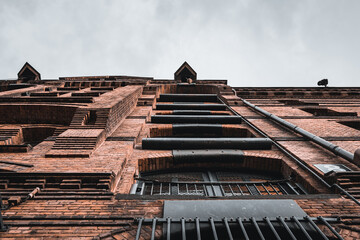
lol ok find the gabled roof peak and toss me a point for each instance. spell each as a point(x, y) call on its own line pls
point(184, 72)
point(28, 73)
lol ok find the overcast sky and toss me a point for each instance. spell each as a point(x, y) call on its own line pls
point(247, 42)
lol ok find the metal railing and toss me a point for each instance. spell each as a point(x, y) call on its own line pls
point(222, 189)
point(237, 228)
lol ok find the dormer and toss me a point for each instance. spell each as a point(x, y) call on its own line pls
point(185, 74)
point(28, 73)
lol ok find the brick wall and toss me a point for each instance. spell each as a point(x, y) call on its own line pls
point(106, 210)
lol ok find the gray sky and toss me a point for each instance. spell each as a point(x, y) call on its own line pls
point(248, 42)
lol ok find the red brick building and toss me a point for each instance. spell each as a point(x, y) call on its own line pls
point(121, 157)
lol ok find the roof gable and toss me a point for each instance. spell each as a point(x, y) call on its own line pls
point(28, 72)
point(185, 71)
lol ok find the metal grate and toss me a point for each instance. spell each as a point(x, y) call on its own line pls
point(251, 228)
point(226, 189)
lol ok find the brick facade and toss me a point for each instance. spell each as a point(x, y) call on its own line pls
point(80, 140)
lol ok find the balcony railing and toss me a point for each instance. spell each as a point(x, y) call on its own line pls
point(225, 189)
point(237, 228)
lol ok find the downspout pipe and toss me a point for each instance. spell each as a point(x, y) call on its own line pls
point(322, 142)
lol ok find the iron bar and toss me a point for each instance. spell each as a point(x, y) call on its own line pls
point(243, 230)
point(222, 190)
point(206, 193)
point(183, 229)
point(329, 227)
point(153, 229)
point(152, 189)
point(142, 188)
point(213, 228)
point(267, 220)
point(277, 193)
point(257, 228)
point(301, 228)
point(212, 189)
point(346, 193)
point(138, 232)
point(301, 188)
point(283, 189)
point(247, 187)
point(228, 228)
point(286, 227)
point(316, 228)
point(292, 188)
point(197, 223)
point(265, 189)
point(134, 188)
point(257, 190)
point(231, 190)
point(168, 229)
point(241, 192)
